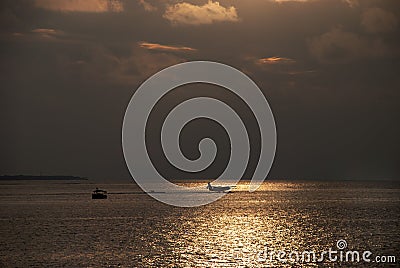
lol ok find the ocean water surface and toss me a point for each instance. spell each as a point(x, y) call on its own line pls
point(57, 224)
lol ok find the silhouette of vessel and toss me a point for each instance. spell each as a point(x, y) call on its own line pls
point(219, 189)
point(99, 194)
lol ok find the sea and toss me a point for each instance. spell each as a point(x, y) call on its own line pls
point(283, 224)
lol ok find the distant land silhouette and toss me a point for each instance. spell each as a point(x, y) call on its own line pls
point(40, 177)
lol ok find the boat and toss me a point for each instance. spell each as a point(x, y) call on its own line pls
point(99, 194)
point(219, 189)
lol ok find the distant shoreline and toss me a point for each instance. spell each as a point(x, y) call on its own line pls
point(39, 178)
point(70, 178)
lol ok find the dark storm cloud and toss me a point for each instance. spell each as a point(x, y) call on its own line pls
point(326, 66)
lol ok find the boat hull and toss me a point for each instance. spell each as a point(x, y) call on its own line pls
point(99, 196)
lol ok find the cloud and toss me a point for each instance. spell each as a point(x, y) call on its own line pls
point(102, 65)
point(47, 33)
point(41, 35)
point(377, 20)
point(138, 66)
point(282, 1)
point(281, 66)
point(338, 46)
point(147, 6)
point(186, 13)
point(73, 58)
point(96, 6)
point(155, 46)
point(275, 60)
point(44, 31)
point(351, 3)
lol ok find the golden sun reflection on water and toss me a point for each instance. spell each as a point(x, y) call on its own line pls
point(242, 229)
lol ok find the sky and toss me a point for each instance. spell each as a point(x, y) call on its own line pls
point(329, 69)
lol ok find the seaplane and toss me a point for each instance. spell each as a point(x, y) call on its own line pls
point(219, 189)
